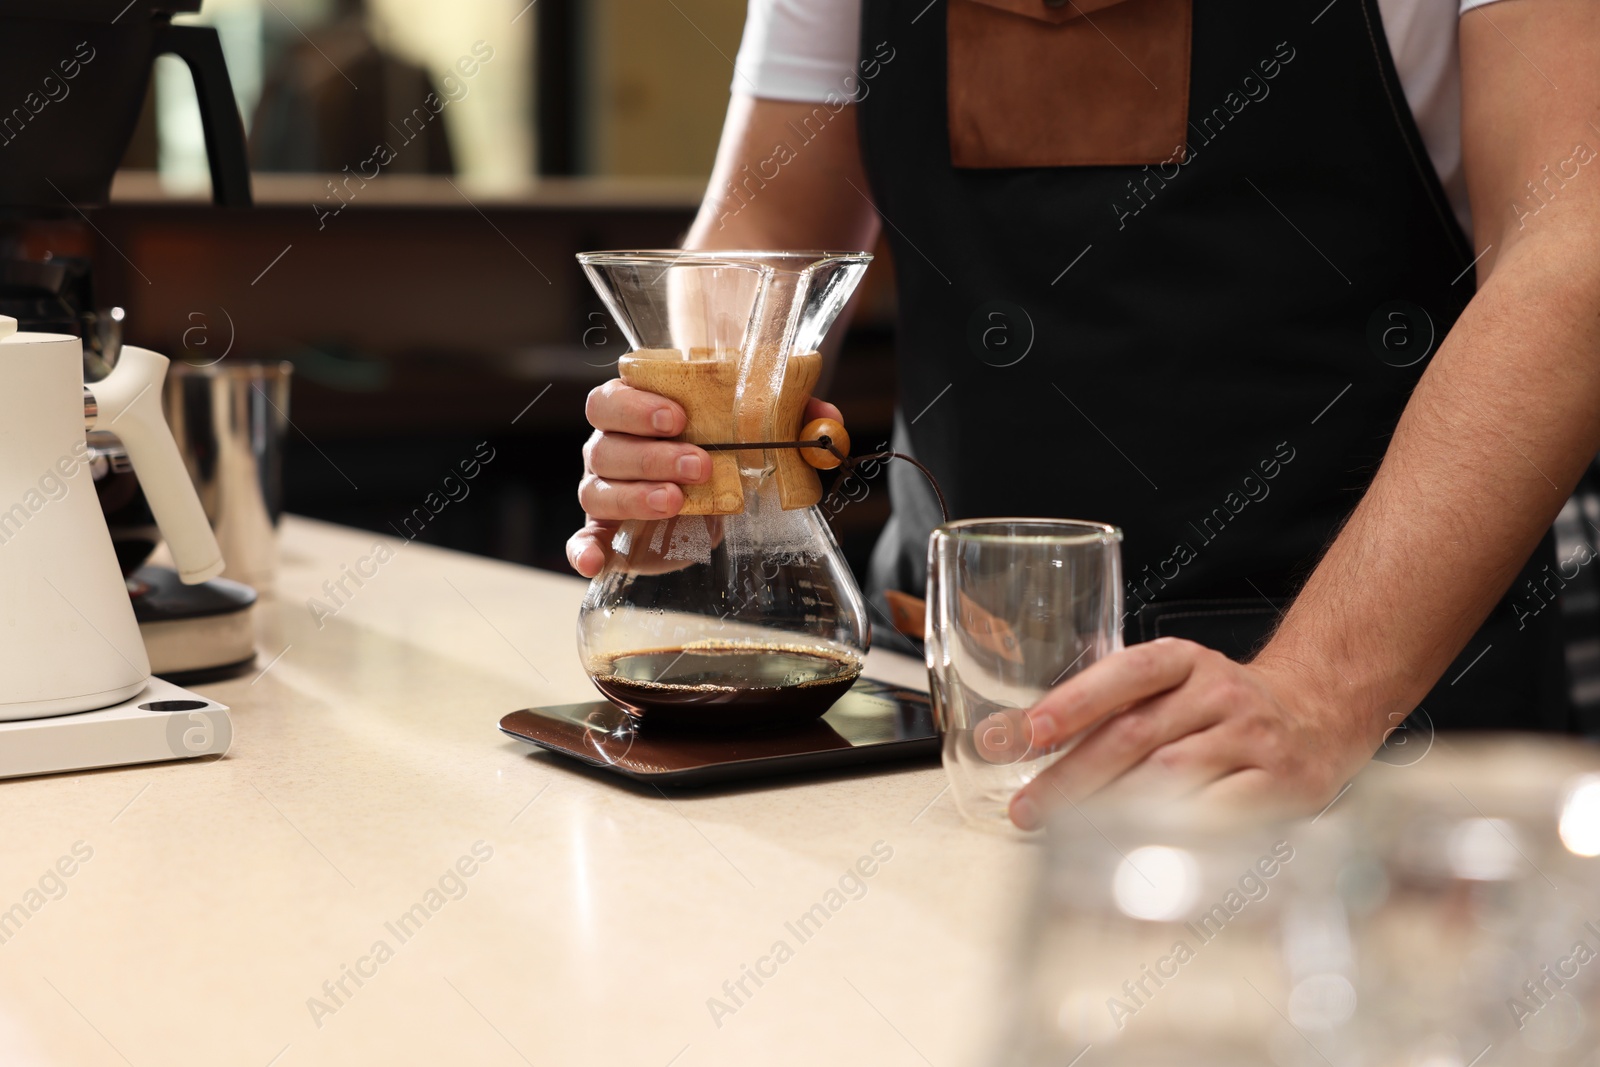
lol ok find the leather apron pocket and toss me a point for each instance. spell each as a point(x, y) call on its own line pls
point(1236, 628)
point(1068, 83)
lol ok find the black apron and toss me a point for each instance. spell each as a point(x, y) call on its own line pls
point(1212, 355)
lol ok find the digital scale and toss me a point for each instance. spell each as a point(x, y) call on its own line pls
point(163, 722)
point(875, 722)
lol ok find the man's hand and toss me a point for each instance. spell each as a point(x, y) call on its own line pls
point(1171, 717)
point(630, 472)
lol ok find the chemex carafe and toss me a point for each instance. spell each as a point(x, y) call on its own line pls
point(68, 639)
point(740, 611)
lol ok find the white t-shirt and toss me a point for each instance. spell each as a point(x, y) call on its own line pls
point(805, 49)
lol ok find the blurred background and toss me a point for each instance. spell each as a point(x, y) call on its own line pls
point(424, 174)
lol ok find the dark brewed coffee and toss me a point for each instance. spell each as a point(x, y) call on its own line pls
point(726, 685)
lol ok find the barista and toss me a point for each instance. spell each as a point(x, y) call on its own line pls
point(1205, 269)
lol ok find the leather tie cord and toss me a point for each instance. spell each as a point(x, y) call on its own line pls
point(846, 463)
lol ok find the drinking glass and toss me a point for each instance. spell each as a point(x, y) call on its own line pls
point(1477, 928)
point(1439, 914)
point(1183, 934)
point(1015, 608)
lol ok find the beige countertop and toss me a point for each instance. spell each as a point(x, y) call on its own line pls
point(209, 902)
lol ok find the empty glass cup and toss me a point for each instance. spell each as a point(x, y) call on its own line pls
point(1015, 608)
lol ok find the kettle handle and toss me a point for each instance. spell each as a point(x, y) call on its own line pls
point(128, 404)
point(201, 49)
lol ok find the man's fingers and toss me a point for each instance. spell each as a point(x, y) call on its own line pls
point(1257, 790)
point(613, 501)
point(625, 458)
point(1131, 675)
point(821, 409)
point(1125, 741)
point(618, 408)
point(1178, 769)
point(1247, 788)
point(586, 549)
point(1159, 734)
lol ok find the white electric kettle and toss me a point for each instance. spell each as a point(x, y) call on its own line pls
point(68, 639)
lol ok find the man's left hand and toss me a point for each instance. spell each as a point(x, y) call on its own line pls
point(1170, 717)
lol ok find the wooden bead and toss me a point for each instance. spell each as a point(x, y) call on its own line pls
point(834, 431)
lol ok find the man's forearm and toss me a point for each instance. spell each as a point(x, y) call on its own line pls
point(1505, 419)
point(1487, 450)
point(817, 199)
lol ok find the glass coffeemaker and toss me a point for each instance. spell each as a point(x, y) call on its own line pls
point(740, 611)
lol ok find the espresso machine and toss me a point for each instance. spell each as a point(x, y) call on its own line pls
point(76, 683)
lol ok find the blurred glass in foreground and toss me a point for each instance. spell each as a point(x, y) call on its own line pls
point(1180, 934)
point(1445, 914)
